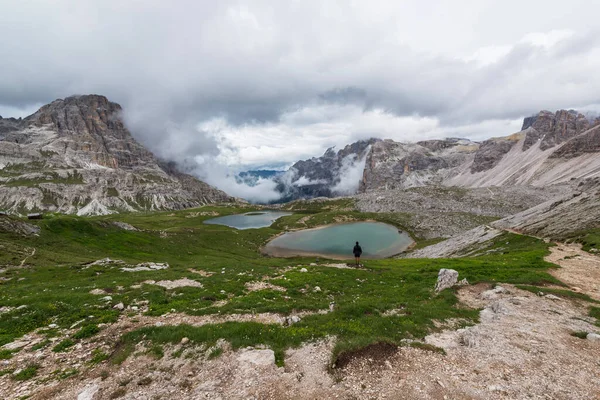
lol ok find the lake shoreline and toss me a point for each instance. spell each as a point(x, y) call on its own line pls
point(283, 252)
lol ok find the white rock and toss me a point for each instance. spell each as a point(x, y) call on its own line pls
point(258, 357)
point(185, 340)
point(593, 336)
point(303, 270)
point(119, 306)
point(552, 297)
point(317, 289)
point(97, 291)
point(292, 319)
point(88, 392)
point(17, 344)
point(446, 279)
point(106, 298)
point(494, 293)
point(76, 323)
point(52, 326)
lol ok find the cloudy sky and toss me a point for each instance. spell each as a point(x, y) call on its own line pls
point(248, 84)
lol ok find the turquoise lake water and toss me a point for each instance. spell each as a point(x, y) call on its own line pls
point(378, 240)
point(258, 219)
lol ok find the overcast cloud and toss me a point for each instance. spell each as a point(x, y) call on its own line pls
point(248, 84)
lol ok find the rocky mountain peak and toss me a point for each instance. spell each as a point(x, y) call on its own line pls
point(553, 128)
point(76, 155)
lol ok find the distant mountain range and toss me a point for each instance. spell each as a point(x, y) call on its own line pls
point(76, 156)
point(551, 148)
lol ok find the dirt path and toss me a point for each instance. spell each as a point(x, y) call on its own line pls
point(579, 269)
point(29, 256)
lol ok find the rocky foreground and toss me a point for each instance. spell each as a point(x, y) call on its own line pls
point(522, 348)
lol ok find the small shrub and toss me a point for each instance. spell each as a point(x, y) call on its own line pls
point(98, 356)
point(41, 345)
point(177, 353)
point(215, 352)
point(5, 354)
point(67, 373)
point(62, 346)
point(27, 373)
point(580, 334)
point(86, 332)
point(156, 351)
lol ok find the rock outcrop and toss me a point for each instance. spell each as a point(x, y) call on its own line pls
point(446, 279)
point(75, 155)
point(394, 165)
point(554, 128)
point(325, 176)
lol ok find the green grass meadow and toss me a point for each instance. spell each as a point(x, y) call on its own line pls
point(55, 282)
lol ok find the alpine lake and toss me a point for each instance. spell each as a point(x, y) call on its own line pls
point(335, 241)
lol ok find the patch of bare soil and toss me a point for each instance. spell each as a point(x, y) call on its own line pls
point(579, 269)
point(375, 354)
point(201, 272)
point(256, 286)
point(184, 282)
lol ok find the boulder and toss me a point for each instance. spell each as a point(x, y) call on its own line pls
point(593, 336)
point(446, 279)
point(257, 357)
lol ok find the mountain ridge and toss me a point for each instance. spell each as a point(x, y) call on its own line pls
point(551, 148)
point(76, 156)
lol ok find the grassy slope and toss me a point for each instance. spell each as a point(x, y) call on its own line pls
point(55, 288)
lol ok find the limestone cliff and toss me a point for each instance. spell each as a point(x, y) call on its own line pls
point(75, 155)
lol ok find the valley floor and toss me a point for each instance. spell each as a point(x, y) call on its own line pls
point(227, 323)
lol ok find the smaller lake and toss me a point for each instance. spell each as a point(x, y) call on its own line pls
point(251, 220)
point(378, 240)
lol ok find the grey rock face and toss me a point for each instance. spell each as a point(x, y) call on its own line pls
point(76, 156)
point(588, 142)
point(553, 129)
point(446, 279)
point(393, 165)
point(490, 153)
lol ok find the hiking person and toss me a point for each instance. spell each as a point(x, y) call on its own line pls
point(357, 252)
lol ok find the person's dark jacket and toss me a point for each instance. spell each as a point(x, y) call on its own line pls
point(357, 251)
